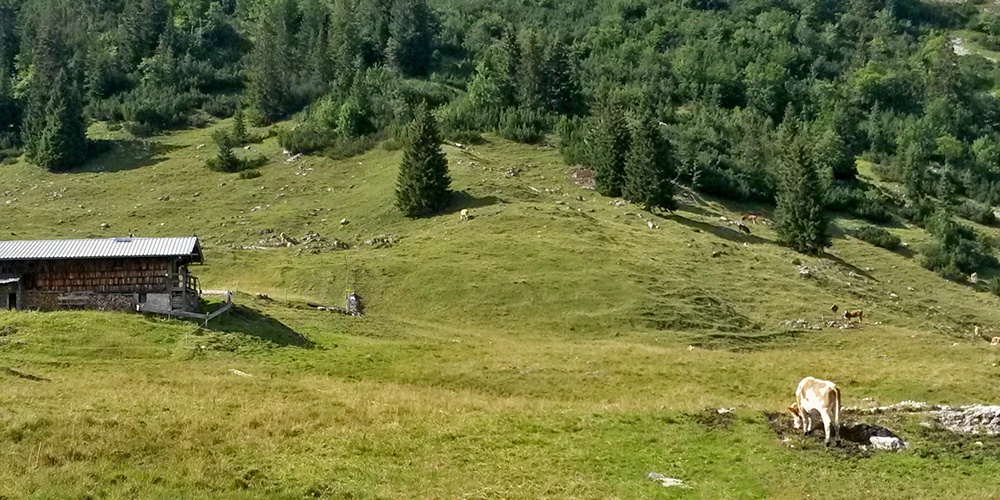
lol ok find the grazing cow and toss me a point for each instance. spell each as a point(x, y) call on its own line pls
point(463, 215)
point(857, 313)
point(820, 396)
point(743, 228)
point(974, 278)
point(751, 218)
point(995, 341)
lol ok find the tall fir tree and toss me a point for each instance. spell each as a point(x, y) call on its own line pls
point(531, 84)
point(409, 48)
point(271, 63)
point(562, 91)
point(61, 143)
point(54, 130)
point(800, 216)
point(346, 45)
point(649, 166)
point(608, 147)
point(423, 181)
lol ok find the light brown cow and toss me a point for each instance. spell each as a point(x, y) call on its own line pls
point(995, 341)
point(821, 396)
point(751, 218)
point(856, 313)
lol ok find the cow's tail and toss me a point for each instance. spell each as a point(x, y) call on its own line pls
point(836, 413)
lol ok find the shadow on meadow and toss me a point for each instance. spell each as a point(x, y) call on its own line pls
point(463, 200)
point(123, 155)
point(254, 323)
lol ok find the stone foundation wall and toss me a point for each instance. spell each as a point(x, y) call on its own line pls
point(49, 301)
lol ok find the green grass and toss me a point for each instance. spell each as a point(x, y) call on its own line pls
point(551, 347)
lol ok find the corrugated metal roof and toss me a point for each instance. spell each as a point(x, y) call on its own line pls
point(97, 248)
point(7, 281)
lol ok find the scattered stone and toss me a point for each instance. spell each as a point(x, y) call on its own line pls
point(649, 223)
point(196, 194)
point(200, 146)
point(262, 296)
point(105, 225)
point(910, 289)
point(239, 373)
point(666, 481)
point(887, 443)
point(893, 295)
point(975, 419)
point(804, 272)
point(716, 253)
point(164, 198)
point(383, 241)
point(344, 222)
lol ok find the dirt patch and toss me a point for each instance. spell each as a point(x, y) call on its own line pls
point(855, 438)
point(713, 418)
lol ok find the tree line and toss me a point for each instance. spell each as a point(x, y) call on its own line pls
point(747, 100)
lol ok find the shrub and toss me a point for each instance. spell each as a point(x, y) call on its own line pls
point(846, 198)
point(249, 174)
point(523, 125)
point(994, 286)
point(221, 105)
point(305, 138)
point(346, 147)
point(958, 251)
point(976, 212)
point(878, 236)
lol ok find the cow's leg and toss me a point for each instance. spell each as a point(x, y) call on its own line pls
point(826, 425)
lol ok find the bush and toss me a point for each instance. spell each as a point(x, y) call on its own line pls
point(523, 125)
point(994, 286)
point(958, 251)
point(846, 198)
point(221, 105)
point(305, 138)
point(919, 212)
point(976, 212)
point(878, 236)
point(346, 147)
point(249, 174)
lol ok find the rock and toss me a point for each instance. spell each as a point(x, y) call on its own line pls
point(105, 225)
point(344, 222)
point(196, 194)
point(796, 262)
point(804, 272)
point(893, 295)
point(887, 443)
point(164, 198)
point(666, 481)
point(200, 146)
point(650, 224)
point(716, 253)
point(239, 373)
point(910, 289)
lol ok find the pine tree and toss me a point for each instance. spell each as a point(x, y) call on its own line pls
point(62, 142)
point(54, 129)
point(562, 92)
point(800, 216)
point(409, 48)
point(423, 181)
point(240, 135)
point(271, 62)
point(608, 147)
point(531, 84)
point(648, 166)
point(346, 45)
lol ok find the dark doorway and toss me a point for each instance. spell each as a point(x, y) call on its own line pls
point(12, 300)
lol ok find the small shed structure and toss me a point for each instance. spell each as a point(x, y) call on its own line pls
point(125, 274)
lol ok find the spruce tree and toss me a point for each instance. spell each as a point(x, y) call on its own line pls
point(423, 181)
point(608, 147)
point(271, 61)
point(239, 134)
point(409, 48)
point(648, 166)
point(800, 216)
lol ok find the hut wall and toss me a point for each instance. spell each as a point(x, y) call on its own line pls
point(49, 301)
point(97, 275)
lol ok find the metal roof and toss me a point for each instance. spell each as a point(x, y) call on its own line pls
point(100, 248)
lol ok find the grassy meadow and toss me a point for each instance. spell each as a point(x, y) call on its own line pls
point(554, 346)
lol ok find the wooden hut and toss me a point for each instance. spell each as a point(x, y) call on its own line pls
point(126, 274)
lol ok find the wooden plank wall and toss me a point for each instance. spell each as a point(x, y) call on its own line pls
point(96, 275)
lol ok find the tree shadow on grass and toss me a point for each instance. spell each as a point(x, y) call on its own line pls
point(252, 322)
point(722, 232)
point(462, 200)
point(122, 155)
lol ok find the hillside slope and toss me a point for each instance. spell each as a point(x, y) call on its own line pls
point(553, 346)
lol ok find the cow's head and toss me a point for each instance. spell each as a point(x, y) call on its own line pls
point(796, 416)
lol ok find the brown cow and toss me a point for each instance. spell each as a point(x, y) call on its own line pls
point(857, 313)
point(751, 218)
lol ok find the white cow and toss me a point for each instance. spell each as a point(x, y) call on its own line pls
point(464, 214)
point(820, 396)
